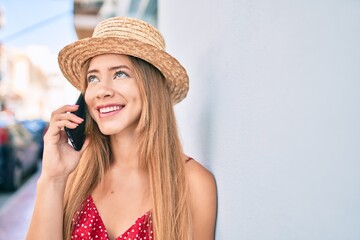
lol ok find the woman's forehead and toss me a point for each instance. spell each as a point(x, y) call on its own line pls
point(109, 60)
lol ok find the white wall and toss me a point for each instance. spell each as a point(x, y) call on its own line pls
point(273, 111)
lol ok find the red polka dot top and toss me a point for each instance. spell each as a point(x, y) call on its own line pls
point(88, 225)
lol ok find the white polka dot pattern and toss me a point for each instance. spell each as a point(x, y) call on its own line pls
point(89, 225)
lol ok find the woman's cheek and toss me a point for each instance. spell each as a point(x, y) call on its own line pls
point(87, 97)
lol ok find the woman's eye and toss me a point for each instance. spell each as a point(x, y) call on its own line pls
point(92, 78)
point(121, 74)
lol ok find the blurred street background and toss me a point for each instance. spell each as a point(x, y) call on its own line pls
point(273, 107)
point(31, 87)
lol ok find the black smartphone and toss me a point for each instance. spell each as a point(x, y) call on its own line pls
point(77, 135)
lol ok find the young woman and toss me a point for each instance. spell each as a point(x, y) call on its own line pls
point(131, 179)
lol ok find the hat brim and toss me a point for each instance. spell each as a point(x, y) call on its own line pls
point(73, 57)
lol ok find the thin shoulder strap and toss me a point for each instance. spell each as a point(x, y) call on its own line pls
point(188, 159)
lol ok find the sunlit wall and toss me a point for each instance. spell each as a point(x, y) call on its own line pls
point(273, 111)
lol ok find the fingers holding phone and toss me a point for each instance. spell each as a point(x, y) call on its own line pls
point(59, 158)
point(61, 119)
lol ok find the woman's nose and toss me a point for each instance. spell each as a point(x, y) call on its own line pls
point(105, 91)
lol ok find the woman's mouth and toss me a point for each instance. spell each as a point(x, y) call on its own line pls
point(110, 110)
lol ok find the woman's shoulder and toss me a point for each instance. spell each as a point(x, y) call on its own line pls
point(197, 174)
point(201, 181)
point(203, 199)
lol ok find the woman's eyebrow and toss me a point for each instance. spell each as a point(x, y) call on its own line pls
point(110, 69)
point(92, 71)
point(117, 67)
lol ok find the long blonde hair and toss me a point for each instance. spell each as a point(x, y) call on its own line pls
point(159, 151)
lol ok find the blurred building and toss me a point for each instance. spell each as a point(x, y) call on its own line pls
point(88, 13)
point(22, 82)
point(22, 85)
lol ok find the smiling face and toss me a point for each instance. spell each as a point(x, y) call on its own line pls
point(112, 94)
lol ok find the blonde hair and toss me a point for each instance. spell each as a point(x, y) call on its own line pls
point(160, 152)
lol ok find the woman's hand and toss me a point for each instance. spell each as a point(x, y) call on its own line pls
point(59, 158)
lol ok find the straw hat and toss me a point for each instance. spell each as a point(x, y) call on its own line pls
point(123, 35)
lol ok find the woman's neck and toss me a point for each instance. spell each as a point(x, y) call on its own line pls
point(124, 151)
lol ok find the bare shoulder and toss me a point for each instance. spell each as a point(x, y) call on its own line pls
point(198, 175)
point(203, 198)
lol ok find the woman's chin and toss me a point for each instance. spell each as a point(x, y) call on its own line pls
point(109, 131)
point(114, 128)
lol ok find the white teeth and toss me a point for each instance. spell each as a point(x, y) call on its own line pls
point(109, 109)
